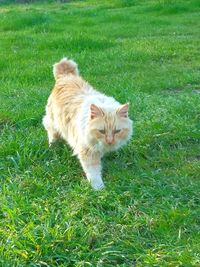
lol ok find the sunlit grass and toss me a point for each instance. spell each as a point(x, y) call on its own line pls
point(143, 52)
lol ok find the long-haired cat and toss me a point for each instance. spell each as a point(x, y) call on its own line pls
point(91, 122)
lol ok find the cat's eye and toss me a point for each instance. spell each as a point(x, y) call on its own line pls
point(102, 131)
point(117, 131)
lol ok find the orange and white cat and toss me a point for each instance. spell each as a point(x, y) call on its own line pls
point(91, 122)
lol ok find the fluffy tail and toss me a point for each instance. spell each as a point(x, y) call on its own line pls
point(64, 67)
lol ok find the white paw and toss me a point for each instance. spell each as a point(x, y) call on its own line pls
point(97, 186)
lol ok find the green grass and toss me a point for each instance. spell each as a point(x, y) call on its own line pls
point(144, 52)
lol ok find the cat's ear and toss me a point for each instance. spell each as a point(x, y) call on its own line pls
point(95, 112)
point(122, 111)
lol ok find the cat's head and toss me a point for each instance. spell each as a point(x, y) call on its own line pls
point(110, 128)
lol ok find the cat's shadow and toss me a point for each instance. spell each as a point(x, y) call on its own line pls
point(112, 163)
point(61, 150)
point(119, 160)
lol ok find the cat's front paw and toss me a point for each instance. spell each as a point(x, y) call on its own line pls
point(97, 186)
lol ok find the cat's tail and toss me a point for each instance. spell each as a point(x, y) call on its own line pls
point(64, 67)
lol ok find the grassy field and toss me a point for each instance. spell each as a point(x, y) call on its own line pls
point(144, 52)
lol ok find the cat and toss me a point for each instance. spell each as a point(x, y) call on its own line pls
point(91, 122)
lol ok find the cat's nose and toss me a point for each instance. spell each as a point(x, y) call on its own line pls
point(109, 141)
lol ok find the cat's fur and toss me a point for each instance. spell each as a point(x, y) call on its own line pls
point(91, 122)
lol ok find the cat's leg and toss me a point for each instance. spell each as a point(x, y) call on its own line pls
point(52, 133)
point(92, 166)
point(53, 136)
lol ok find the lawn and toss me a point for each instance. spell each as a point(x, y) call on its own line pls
point(143, 52)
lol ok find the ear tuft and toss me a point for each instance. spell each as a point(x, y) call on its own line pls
point(122, 111)
point(95, 111)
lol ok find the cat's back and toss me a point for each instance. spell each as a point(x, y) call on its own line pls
point(107, 103)
point(69, 89)
point(64, 102)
